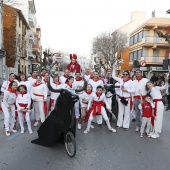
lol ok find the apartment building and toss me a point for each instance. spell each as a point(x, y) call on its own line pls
point(145, 45)
point(15, 28)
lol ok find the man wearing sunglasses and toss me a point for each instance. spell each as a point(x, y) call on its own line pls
point(140, 93)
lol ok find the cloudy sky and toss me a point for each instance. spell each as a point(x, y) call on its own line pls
point(71, 25)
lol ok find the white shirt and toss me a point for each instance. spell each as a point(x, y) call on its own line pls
point(24, 99)
point(27, 84)
point(32, 80)
point(140, 87)
point(77, 84)
point(87, 77)
point(9, 98)
point(54, 95)
point(94, 97)
point(117, 90)
point(128, 85)
point(95, 84)
point(63, 79)
point(5, 85)
point(40, 90)
point(155, 91)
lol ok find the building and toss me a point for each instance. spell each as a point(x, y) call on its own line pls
point(16, 39)
point(147, 48)
point(137, 18)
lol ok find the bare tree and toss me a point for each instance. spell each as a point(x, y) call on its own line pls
point(108, 47)
point(11, 2)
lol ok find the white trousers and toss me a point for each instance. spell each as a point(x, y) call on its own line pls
point(146, 121)
point(76, 107)
point(21, 120)
point(159, 118)
point(9, 117)
point(103, 112)
point(48, 104)
point(39, 111)
point(123, 114)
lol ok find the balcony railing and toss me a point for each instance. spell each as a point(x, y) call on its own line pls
point(31, 20)
point(155, 40)
point(154, 59)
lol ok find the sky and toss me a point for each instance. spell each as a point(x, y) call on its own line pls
point(71, 25)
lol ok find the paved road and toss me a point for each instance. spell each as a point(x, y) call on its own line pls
point(98, 150)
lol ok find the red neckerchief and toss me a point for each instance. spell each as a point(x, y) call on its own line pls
point(58, 83)
point(9, 80)
point(88, 92)
point(42, 75)
point(12, 91)
point(36, 84)
point(126, 80)
point(95, 80)
point(98, 95)
point(45, 81)
point(91, 77)
point(66, 76)
point(23, 93)
point(70, 85)
point(140, 78)
point(33, 77)
point(79, 79)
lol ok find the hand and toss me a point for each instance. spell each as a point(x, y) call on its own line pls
point(109, 110)
point(87, 110)
point(9, 109)
point(114, 67)
point(123, 89)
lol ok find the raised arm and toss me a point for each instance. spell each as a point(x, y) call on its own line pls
point(90, 102)
point(115, 77)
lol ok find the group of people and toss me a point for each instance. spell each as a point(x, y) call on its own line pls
point(25, 96)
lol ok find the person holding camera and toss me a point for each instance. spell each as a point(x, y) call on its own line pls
point(124, 98)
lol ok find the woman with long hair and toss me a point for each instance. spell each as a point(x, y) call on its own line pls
point(8, 107)
point(69, 83)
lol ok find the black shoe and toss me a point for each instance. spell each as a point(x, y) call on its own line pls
point(133, 120)
point(125, 129)
point(117, 127)
point(100, 125)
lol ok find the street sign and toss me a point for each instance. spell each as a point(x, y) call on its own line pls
point(142, 63)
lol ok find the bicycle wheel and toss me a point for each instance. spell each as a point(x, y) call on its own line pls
point(70, 144)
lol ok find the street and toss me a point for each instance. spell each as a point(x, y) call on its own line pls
point(97, 150)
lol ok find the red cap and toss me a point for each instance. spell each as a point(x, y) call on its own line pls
point(73, 56)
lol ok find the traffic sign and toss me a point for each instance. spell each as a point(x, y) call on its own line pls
point(142, 63)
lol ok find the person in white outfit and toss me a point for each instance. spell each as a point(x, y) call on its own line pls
point(39, 97)
point(140, 92)
point(32, 79)
point(87, 74)
point(97, 100)
point(157, 118)
point(56, 84)
point(69, 83)
point(84, 102)
point(45, 80)
point(95, 82)
point(24, 81)
point(124, 99)
point(23, 102)
point(8, 107)
point(43, 71)
point(65, 76)
point(78, 84)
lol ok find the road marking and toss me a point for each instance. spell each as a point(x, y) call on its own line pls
point(14, 135)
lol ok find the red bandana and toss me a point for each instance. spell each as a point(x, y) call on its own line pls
point(70, 85)
point(88, 92)
point(98, 95)
point(139, 78)
point(23, 93)
point(66, 76)
point(12, 91)
point(42, 75)
point(58, 83)
point(79, 79)
point(36, 84)
point(95, 80)
point(9, 80)
point(45, 81)
point(126, 80)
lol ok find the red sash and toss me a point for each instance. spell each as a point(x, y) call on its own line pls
point(155, 110)
point(95, 105)
point(23, 105)
point(139, 97)
point(45, 102)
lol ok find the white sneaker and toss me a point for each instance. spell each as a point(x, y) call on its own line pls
point(141, 135)
point(137, 129)
point(79, 126)
point(22, 131)
point(36, 124)
point(8, 133)
point(30, 131)
point(92, 127)
point(113, 130)
point(86, 131)
point(14, 131)
point(154, 136)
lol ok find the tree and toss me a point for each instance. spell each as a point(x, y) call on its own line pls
point(108, 48)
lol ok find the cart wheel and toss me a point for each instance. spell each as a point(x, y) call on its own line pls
point(70, 144)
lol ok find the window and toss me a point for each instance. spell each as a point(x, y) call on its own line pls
point(131, 40)
point(139, 54)
point(136, 38)
point(131, 56)
point(140, 36)
point(135, 55)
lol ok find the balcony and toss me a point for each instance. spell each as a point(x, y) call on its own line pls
point(31, 6)
point(154, 42)
point(154, 59)
point(31, 37)
point(30, 54)
point(31, 20)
